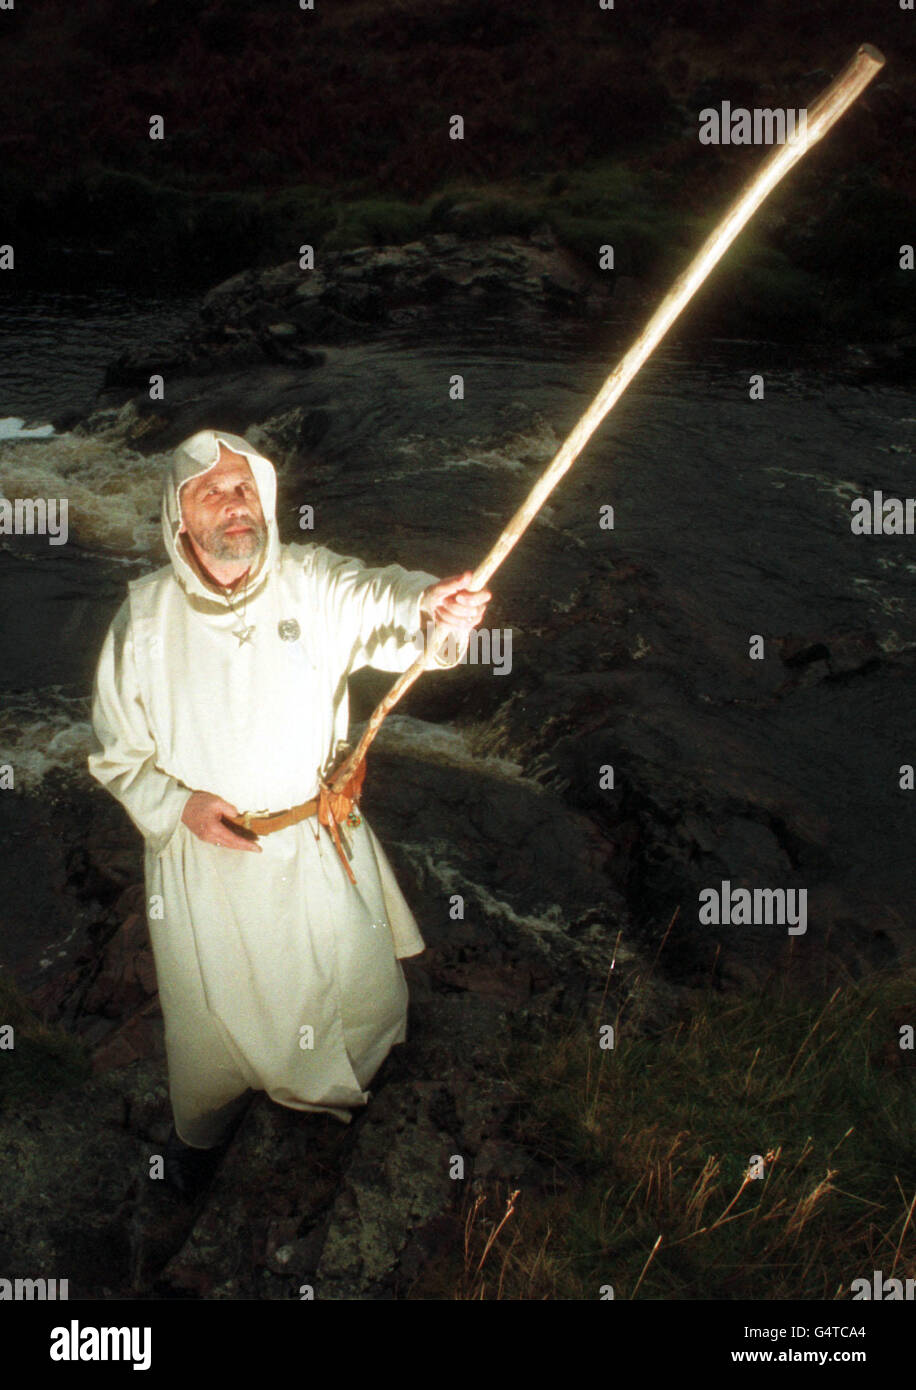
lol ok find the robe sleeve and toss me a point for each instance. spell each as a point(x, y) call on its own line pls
point(124, 756)
point(374, 614)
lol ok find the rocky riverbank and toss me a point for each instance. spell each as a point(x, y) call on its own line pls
point(579, 900)
point(353, 1211)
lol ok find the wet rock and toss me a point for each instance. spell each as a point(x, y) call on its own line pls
point(100, 871)
point(109, 997)
point(480, 822)
point(140, 1038)
point(751, 853)
point(126, 977)
point(270, 1194)
point(853, 653)
point(797, 651)
point(74, 1175)
point(277, 313)
point(397, 1180)
point(834, 656)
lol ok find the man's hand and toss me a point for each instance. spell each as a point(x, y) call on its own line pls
point(203, 814)
point(454, 606)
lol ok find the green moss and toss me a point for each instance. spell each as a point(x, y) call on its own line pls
point(602, 188)
point(292, 218)
point(639, 247)
point(131, 196)
point(802, 276)
point(376, 222)
point(611, 204)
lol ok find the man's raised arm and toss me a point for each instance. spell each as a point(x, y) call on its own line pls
point(379, 617)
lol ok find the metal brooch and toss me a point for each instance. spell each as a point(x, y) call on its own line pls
point(289, 630)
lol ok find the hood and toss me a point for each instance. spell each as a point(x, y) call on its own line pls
point(198, 455)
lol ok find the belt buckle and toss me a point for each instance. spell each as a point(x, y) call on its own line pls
point(247, 817)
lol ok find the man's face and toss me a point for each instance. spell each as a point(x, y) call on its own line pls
point(221, 510)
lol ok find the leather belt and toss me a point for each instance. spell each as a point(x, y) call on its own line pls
point(336, 810)
point(265, 822)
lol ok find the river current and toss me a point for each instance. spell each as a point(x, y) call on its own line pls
point(739, 507)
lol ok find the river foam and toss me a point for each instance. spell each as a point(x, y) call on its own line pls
point(112, 490)
point(44, 730)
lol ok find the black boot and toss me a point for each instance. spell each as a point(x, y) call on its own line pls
point(189, 1171)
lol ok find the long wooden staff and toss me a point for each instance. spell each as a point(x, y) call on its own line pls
point(828, 108)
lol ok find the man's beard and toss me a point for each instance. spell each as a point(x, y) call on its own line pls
point(247, 545)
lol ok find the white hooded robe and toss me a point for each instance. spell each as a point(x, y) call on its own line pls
point(275, 972)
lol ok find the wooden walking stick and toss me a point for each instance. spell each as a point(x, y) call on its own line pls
point(828, 108)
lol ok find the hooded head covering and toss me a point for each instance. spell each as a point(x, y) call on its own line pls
point(198, 455)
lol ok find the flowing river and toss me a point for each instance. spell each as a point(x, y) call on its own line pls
point(731, 514)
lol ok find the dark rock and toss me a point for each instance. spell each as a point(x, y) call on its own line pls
point(75, 1175)
point(353, 294)
point(397, 1180)
point(126, 977)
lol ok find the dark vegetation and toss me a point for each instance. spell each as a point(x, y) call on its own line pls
point(331, 127)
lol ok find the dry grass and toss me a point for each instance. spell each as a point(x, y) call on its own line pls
point(760, 1149)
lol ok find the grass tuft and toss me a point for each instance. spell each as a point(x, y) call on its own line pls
point(759, 1148)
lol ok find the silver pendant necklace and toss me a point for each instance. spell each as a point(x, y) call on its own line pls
point(244, 631)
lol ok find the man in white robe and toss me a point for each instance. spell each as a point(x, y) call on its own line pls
point(222, 688)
